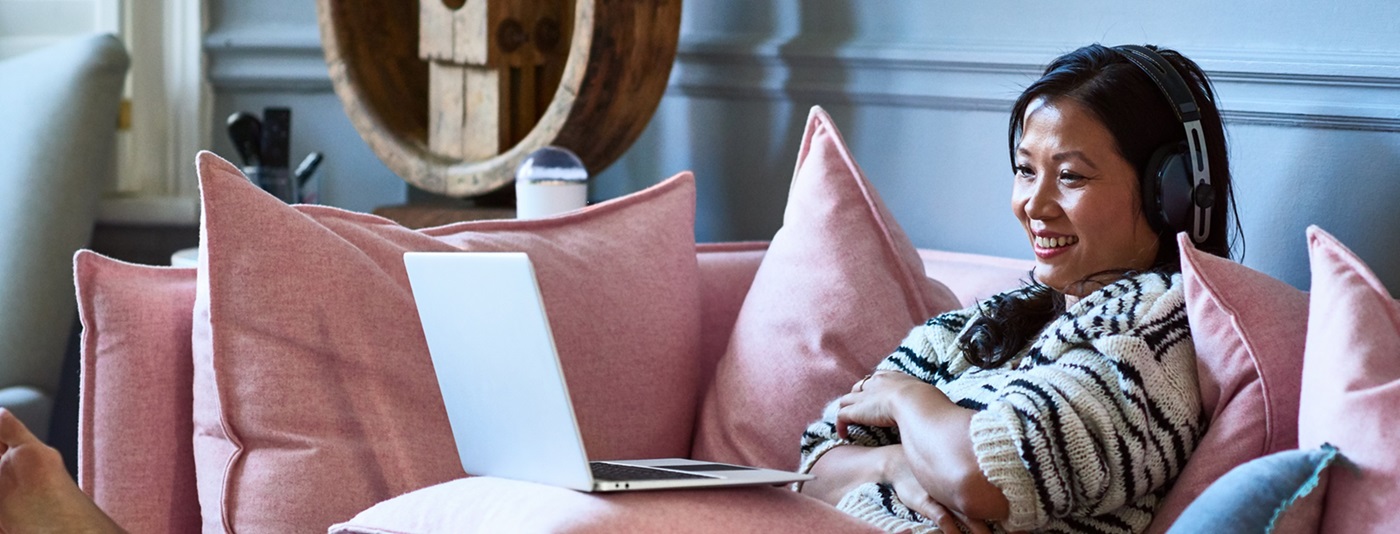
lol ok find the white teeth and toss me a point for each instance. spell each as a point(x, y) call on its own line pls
point(1055, 242)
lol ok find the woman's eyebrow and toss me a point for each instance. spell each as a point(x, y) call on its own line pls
point(1075, 154)
point(1061, 156)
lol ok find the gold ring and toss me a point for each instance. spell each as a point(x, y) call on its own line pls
point(860, 386)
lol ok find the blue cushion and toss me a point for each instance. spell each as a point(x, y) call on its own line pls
point(1255, 496)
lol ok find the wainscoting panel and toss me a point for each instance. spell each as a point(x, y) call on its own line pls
point(1311, 96)
point(927, 121)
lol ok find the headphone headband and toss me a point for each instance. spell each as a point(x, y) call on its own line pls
point(1176, 90)
point(1166, 78)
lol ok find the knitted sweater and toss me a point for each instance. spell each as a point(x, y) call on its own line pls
point(1083, 431)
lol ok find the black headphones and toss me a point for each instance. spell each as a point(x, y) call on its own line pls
point(1176, 190)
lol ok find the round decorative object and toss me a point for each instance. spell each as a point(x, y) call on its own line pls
point(550, 181)
point(619, 56)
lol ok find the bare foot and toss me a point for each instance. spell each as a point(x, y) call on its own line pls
point(36, 493)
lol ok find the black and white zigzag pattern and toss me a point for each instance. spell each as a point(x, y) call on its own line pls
point(1084, 430)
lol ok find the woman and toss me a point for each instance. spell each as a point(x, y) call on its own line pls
point(1071, 404)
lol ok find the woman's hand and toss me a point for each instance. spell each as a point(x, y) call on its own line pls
point(36, 493)
point(901, 477)
point(936, 443)
point(875, 400)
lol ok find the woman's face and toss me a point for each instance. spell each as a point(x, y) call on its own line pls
point(1077, 198)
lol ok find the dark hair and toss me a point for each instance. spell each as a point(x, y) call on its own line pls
point(1139, 117)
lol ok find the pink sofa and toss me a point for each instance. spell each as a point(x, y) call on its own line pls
point(291, 357)
point(160, 450)
point(145, 429)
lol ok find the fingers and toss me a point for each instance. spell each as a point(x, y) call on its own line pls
point(849, 413)
point(914, 497)
point(13, 433)
point(847, 400)
point(974, 526)
point(841, 424)
point(949, 520)
point(866, 408)
point(860, 386)
point(880, 380)
point(940, 515)
point(4, 416)
point(843, 418)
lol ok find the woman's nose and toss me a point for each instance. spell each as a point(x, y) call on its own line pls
point(1041, 201)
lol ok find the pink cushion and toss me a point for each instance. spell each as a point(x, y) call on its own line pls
point(314, 393)
point(974, 277)
point(1305, 514)
point(1351, 387)
point(487, 504)
point(1248, 329)
point(726, 272)
point(134, 421)
point(838, 289)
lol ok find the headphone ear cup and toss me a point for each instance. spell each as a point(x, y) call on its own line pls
point(1167, 188)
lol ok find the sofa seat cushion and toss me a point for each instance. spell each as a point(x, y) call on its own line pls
point(974, 277)
point(488, 504)
point(314, 395)
point(726, 273)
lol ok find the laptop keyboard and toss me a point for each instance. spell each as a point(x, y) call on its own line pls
point(618, 472)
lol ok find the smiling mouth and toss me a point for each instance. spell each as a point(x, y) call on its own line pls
point(1055, 242)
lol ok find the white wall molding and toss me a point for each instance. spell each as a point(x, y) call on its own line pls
point(1312, 90)
point(267, 58)
point(1280, 88)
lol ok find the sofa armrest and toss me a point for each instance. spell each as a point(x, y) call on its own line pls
point(57, 150)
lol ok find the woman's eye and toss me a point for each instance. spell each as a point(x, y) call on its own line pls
point(1067, 176)
point(1022, 170)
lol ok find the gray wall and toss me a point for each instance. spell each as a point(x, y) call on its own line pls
point(920, 90)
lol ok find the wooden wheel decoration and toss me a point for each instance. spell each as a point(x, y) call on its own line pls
point(453, 94)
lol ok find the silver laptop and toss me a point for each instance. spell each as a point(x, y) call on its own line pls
point(501, 381)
